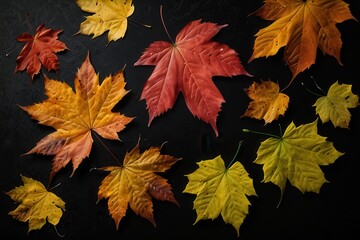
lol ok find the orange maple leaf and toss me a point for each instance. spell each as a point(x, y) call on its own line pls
point(135, 183)
point(268, 103)
point(301, 26)
point(76, 115)
point(39, 49)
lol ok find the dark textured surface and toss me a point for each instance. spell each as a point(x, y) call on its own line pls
point(329, 215)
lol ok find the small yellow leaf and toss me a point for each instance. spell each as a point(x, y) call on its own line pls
point(109, 15)
point(221, 191)
point(334, 106)
point(268, 103)
point(135, 183)
point(296, 156)
point(36, 204)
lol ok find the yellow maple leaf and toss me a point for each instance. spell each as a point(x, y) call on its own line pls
point(334, 106)
point(296, 156)
point(36, 204)
point(135, 183)
point(76, 115)
point(302, 26)
point(221, 190)
point(109, 15)
point(268, 103)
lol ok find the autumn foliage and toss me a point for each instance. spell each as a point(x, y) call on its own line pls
point(301, 27)
point(187, 65)
point(77, 115)
point(268, 102)
point(135, 183)
point(108, 16)
point(39, 50)
point(221, 191)
point(37, 205)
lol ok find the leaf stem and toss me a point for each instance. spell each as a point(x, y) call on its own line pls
point(54, 186)
point(236, 153)
point(280, 129)
point(162, 20)
point(281, 197)
point(107, 149)
point(6, 55)
point(58, 232)
point(261, 133)
point(318, 87)
point(313, 93)
point(141, 24)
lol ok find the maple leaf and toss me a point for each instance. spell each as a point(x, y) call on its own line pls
point(135, 183)
point(268, 103)
point(220, 190)
point(76, 115)
point(39, 50)
point(296, 155)
point(187, 66)
point(36, 204)
point(334, 106)
point(109, 15)
point(301, 26)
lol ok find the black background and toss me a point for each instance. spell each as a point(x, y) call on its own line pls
point(329, 215)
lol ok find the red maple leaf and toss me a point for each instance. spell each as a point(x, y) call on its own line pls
point(39, 49)
point(187, 65)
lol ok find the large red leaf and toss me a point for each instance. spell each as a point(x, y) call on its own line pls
point(187, 66)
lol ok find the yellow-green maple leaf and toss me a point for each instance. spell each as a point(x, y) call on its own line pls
point(221, 190)
point(135, 183)
point(109, 15)
point(334, 106)
point(297, 156)
point(36, 204)
point(268, 103)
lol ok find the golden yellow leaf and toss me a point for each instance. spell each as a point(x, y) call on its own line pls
point(36, 204)
point(109, 15)
point(297, 156)
point(135, 183)
point(221, 190)
point(334, 106)
point(301, 26)
point(268, 103)
point(76, 115)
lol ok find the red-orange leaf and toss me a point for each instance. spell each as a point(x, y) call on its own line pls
point(76, 115)
point(187, 66)
point(135, 183)
point(39, 50)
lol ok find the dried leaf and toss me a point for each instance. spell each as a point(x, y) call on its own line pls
point(135, 184)
point(37, 205)
point(301, 27)
point(268, 103)
point(334, 106)
point(109, 15)
point(221, 190)
point(297, 156)
point(39, 50)
point(76, 115)
point(187, 66)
